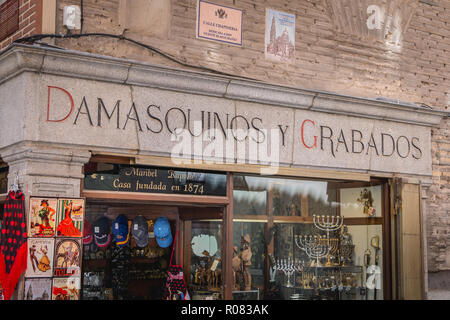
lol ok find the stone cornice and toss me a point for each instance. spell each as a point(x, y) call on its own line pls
point(26, 151)
point(21, 58)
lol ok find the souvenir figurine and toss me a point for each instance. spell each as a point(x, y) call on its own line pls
point(346, 236)
point(246, 256)
point(236, 266)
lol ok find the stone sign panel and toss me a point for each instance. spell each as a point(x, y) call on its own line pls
point(150, 121)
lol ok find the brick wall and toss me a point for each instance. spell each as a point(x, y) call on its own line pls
point(333, 52)
point(30, 21)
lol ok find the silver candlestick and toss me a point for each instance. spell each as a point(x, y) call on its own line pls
point(299, 265)
point(313, 246)
point(287, 266)
point(317, 253)
point(328, 224)
point(304, 242)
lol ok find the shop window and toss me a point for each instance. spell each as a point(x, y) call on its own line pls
point(196, 233)
point(291, 239)
point(309, 239)
point(9, 17)
point(133, 271)
point(204, 263)
point(139, 269)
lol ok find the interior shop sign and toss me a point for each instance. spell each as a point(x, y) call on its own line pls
point(187, 128)
point(157, 180)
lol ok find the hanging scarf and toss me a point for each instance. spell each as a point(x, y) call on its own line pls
point(175, 284)
point(13, 244)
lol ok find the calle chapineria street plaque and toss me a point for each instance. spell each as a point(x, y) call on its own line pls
point(219, 23)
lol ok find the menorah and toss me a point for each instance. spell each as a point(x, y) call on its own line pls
point(299, 265)
point(304, 242)
point(326, 224)
point(313, 246)
point(287, 266)
point(329, 224)
point(333, 247)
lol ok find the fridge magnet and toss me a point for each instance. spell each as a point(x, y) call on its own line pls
point(38, 289)
point(42, 217)
point(67, 261)
point(70, 216)
point(40, 257)
point(66, 288)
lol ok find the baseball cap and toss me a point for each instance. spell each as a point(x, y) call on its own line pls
point(102, 234)
point(87, 232)
point(162, 231)
point(139, 230)
point(120, 230)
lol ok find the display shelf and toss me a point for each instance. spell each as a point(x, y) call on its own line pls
point(323, 289)
point(347, 269)
point(311, 293)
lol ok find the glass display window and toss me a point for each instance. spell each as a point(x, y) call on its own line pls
point(368, 201)
point(203, 259)
point(248, 259)
point(310, 240)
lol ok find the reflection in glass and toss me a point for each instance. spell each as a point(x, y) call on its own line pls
point(248, 258)
point(290, 197)
point(205, 263)
point(250, 202)
point(361, 202)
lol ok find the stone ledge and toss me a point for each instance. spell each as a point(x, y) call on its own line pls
point(20, 58)
point(46, 155)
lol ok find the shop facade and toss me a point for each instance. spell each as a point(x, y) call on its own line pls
point(271, 192)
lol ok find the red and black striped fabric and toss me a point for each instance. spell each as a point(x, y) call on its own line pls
point(13, 244)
